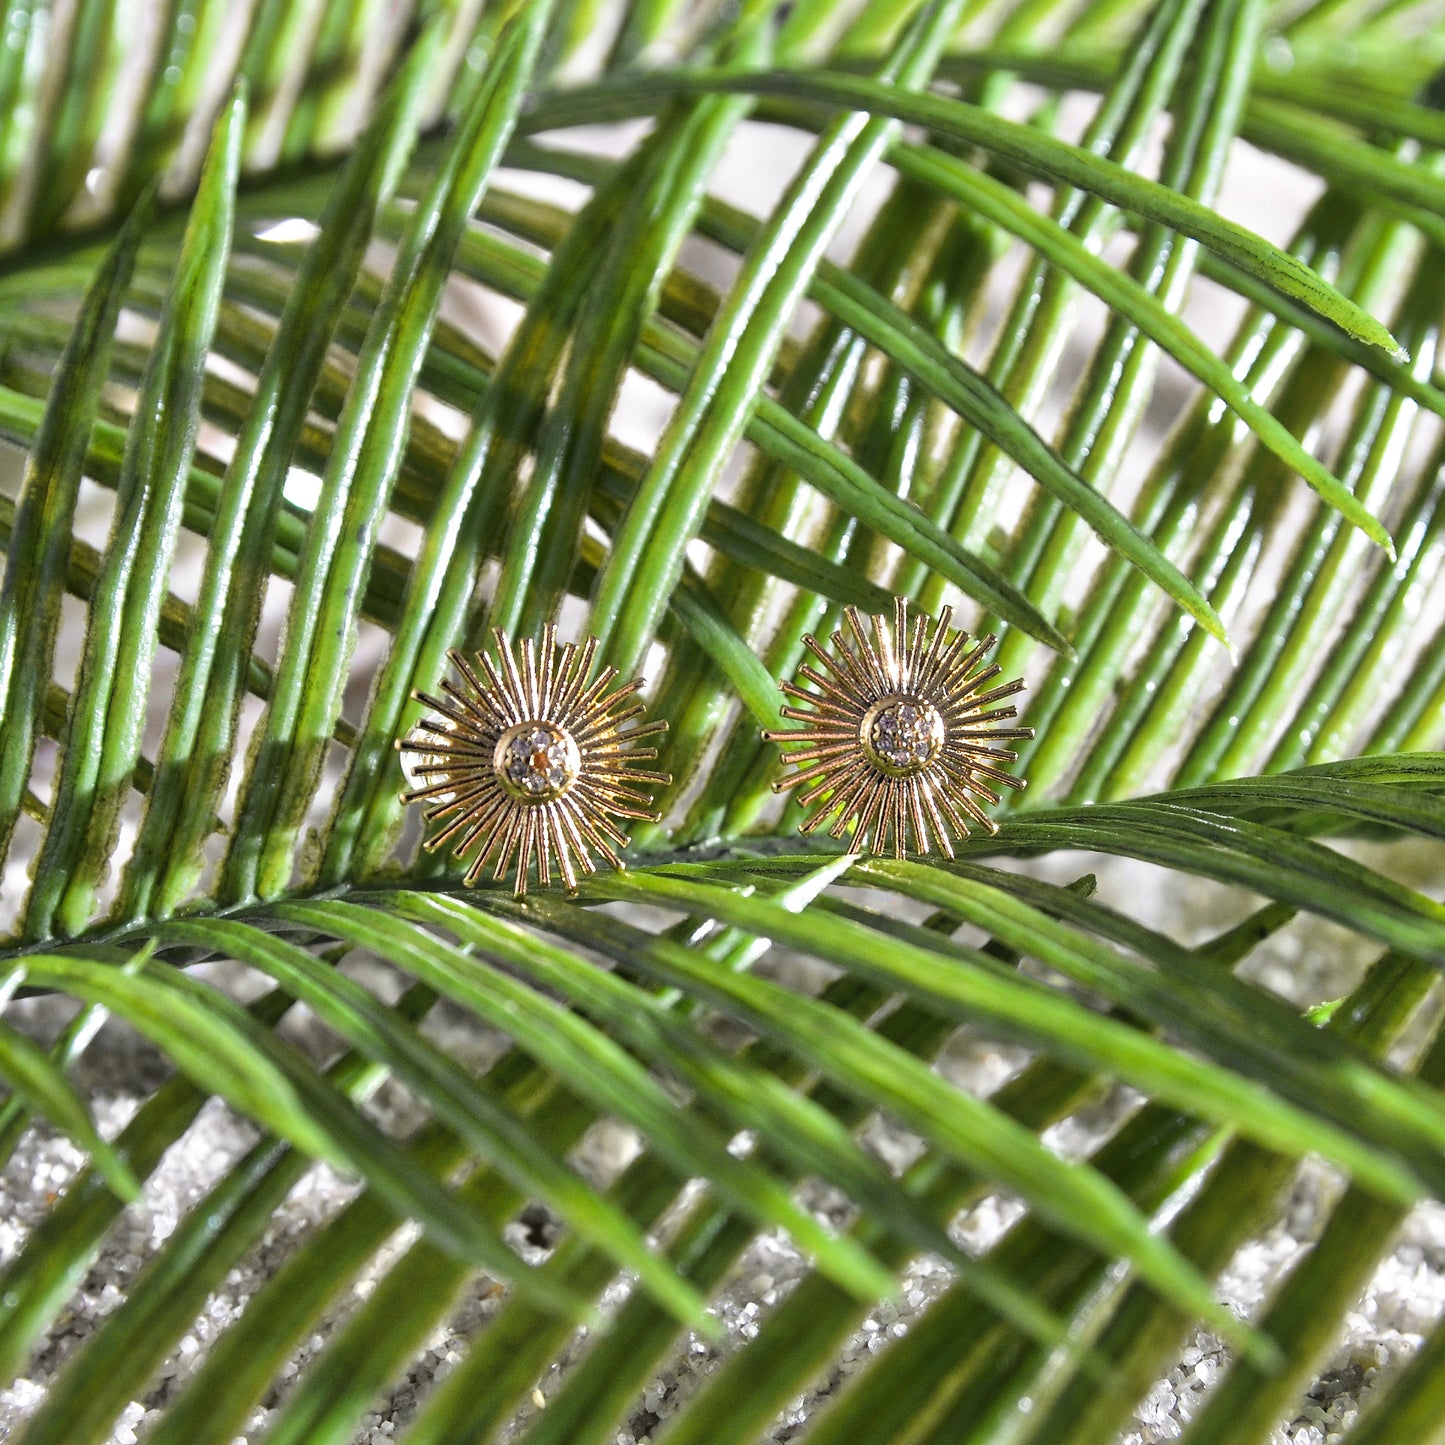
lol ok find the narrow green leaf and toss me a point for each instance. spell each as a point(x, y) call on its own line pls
point(451, 1095)
point(708, 626)
point(592, 1063)
point(108, 713)
point(114, 1363)
point(201, 730)
point(736, 356)
point(968, 1129)
point(1012, 141)
point(1125, 296)
point(72, 1043)
point(740, 537)
point(1274, 863)
point(321, 628)
point(28, 1072)
point(39, 545)
point(214, 1042)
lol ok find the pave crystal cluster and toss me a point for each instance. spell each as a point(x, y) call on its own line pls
point(902, 735)
point(900, 743)
point(537, 761)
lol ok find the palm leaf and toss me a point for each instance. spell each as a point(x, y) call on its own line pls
point(844, 422)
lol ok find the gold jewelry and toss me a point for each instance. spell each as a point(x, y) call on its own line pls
point(533, 761)
point(898, 733)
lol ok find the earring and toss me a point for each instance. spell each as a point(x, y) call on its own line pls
point(533, 761)
point(897, 734)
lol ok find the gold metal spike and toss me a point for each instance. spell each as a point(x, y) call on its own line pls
point(530, 760)
point(897, 734)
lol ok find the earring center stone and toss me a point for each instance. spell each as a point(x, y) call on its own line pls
point(901, 735)
point(536, 762)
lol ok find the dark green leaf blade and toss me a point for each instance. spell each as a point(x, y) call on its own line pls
point(108, 714)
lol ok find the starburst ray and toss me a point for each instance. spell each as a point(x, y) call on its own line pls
point(529, 757)
point(895, 733)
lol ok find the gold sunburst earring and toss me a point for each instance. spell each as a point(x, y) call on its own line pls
point(531, 759)
point(900, 734)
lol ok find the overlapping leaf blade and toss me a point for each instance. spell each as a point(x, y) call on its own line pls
point(852, 430)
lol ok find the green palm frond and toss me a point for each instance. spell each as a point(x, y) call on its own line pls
point(347, 301)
